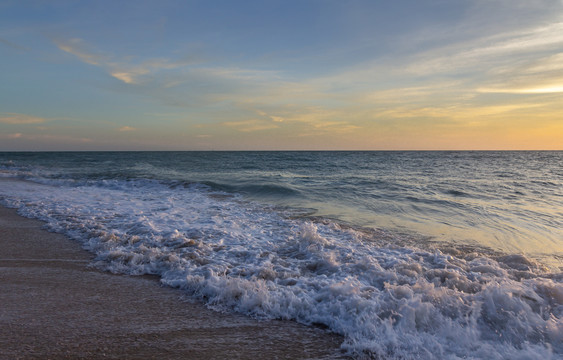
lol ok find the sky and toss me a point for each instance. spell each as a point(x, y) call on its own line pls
point(281, 75)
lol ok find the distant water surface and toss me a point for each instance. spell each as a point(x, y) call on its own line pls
point(397, 251)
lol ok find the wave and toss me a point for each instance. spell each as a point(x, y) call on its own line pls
point(387, 300)
point(260, 190)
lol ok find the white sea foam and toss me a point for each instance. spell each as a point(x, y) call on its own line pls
point(387, 300)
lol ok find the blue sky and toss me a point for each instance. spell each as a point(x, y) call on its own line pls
point(251, 75)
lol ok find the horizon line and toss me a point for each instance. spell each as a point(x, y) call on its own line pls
point(296, 150)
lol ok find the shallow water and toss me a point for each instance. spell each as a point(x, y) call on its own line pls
point(406, 254)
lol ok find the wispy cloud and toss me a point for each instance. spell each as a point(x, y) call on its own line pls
point(446, 83)
point(251, 125)
point(14, 118)
point(528, 61)
point(126, 128)
point(555, 88)
point(184, 81)
point(302, 121)
point(126, 77)
point(123, 69)
point(78, 48)
point(133, 73)
point(12, 45)
point(49, 138)
point(496, 50)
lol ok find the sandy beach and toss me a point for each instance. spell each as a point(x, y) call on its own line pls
point(54, 306)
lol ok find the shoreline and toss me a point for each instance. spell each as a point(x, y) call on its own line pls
point(55, 306)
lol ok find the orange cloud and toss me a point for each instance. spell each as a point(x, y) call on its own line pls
point(13, 118)
point(126, 128)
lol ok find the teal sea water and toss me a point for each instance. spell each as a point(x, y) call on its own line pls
point(406, 254)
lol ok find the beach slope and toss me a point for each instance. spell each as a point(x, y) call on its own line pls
point(54, 306)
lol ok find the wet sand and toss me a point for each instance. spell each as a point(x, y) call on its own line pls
point(54, 306)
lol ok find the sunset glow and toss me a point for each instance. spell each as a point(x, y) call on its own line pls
point(277, 75)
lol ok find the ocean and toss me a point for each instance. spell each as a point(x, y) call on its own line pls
point(425, 255)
